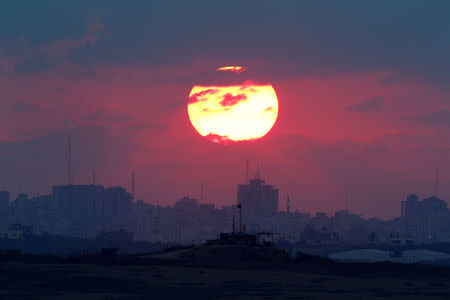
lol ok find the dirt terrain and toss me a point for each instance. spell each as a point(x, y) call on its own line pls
point(19, 280)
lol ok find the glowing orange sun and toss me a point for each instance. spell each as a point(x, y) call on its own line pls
point(233, 112)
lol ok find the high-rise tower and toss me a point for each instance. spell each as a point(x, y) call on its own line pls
point(258, 201)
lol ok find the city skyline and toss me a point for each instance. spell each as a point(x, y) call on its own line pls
point(353, 119)
point(93, 211)
point(225, 149)
point(252, 178)
point(248, 172)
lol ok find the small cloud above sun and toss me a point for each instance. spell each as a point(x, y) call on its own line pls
point(236, 69)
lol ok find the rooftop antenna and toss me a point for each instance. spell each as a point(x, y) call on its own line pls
point(288, 206)
point(240, 217)
point(346, 201)
point(93, 177)
point(132, 186)
point(257, 172)
point(201, 193)
point(436, 183)
point(351, 203)
point(69, 161)
point(233, 224)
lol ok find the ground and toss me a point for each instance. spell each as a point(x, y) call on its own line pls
point(75, 281)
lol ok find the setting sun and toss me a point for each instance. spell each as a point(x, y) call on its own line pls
point(233, 113)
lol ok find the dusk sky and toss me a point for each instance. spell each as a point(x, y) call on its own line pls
point(363, 90)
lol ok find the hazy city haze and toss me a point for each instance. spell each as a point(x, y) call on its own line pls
point(364, 111)
point(225, 149)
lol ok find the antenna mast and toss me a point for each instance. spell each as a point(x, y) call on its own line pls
point(288, 208)
point(201, 193)
point(132, 186)
point(346, 202)
point(69, 161)
point(240, 217)
point(436, 183)
point(233, 224)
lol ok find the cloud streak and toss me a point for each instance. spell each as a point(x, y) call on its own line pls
point(440, 117)
point(231, 100)
point(24, 107)
point(200, 95)
point(373, 104)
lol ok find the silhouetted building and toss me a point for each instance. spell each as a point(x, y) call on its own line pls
point(22, 209)
point(116, 202)
point(436, 220)
point(4, 203)
point(119, 236)
point(412, 216)
point(427, 220)
point(186, 203)
point(347, 224)
point(84, 210)
point(17, 231)
point(77, 202)
point(259, 202)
